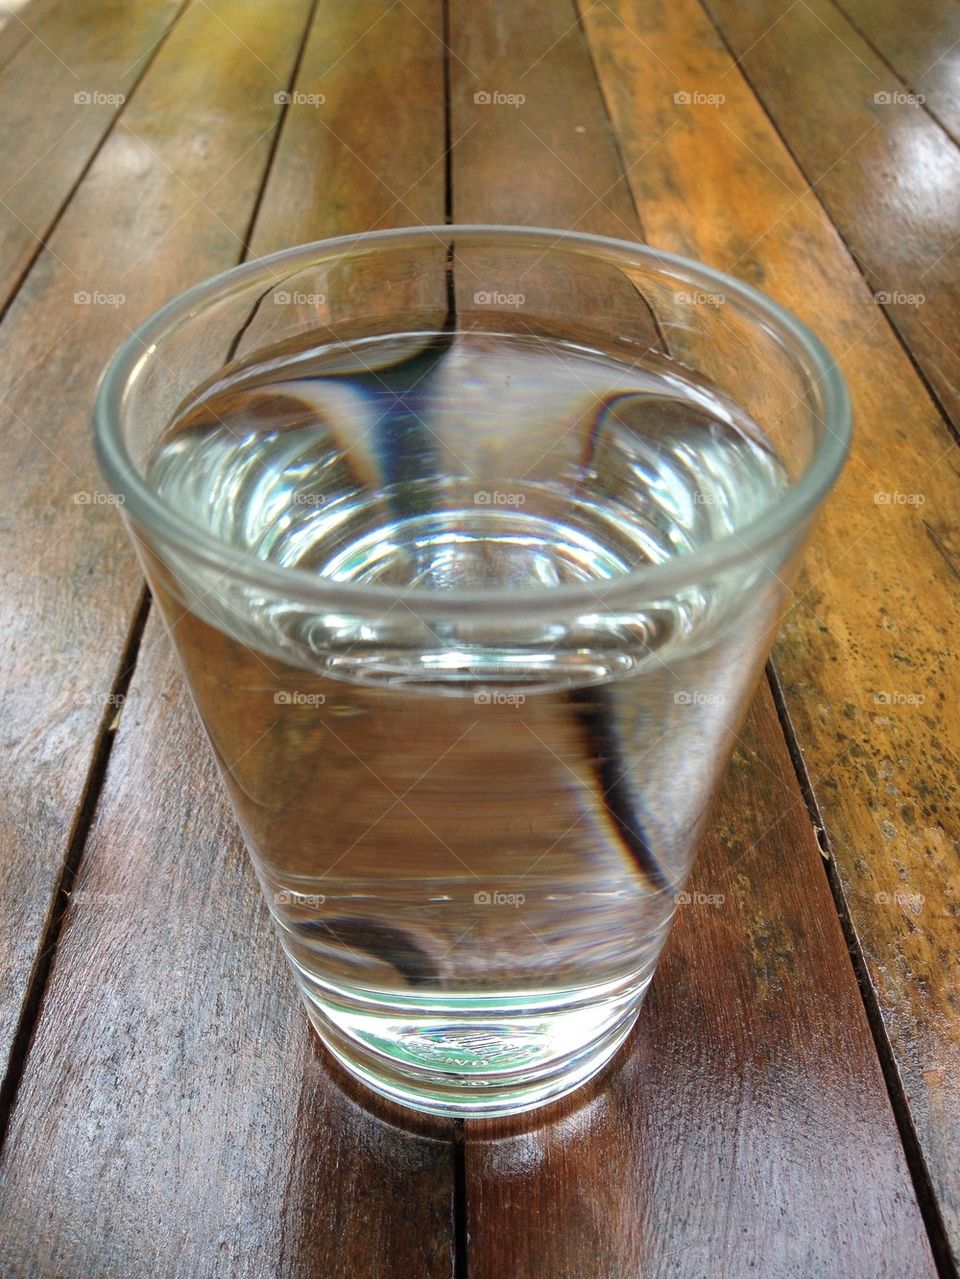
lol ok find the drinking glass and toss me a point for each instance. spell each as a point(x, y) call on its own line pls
point(472, 542)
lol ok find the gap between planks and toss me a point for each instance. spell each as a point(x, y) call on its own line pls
point(740, 64)
point(33, 1000)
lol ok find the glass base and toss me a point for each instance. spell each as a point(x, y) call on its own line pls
point(473, 1059)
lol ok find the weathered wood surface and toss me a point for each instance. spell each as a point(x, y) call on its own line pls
point(679, 1121)
point(884, 170)
point(171, 1114)
point(868, 656)
point(171, 1046)
point(59, 94)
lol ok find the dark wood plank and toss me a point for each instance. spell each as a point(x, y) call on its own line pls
point(887, 174)
point(743, 1129)
point(920, 40)
point(149, 220)
point(172, 1070)
point(176, 1117)
point(753, 1051)
point(867, 655)
point(47, 136)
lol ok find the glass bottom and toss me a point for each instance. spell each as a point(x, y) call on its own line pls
point(474, 1058)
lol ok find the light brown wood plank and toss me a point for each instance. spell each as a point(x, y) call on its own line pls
point(149, 220)
point(224, 1142)
point(91, 49)
point(871, 630)
point(887, 174)
point(20, 23)
point(710, 1146)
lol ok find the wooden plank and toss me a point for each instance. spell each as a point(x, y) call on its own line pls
point(743, 1130)
point(887, 174)
point(90, 49)
point(920, 40)
point(176, 1117)
point(753, 1050)
point(187, 1096)
point(20, 23)
point(69, 585)
point(870, 632)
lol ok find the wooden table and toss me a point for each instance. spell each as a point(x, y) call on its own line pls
point(789, 1104)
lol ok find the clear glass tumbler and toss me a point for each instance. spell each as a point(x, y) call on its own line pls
point(472, 542)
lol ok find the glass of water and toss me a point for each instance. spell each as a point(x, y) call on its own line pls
point(472, 542)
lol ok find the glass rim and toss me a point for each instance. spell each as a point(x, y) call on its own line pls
point(653, 580)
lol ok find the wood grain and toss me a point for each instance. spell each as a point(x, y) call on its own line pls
point(91, 49)
point(20, 23)
point(172, 1050)
point(683, 1161)
point(69, 584)
point(886, 173)
point(871, 630)
point(742, 1130)
point(175, 1117)
point(920, 41)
